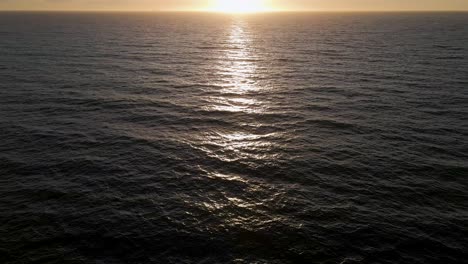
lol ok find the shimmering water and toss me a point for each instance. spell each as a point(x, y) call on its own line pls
point(198, 138)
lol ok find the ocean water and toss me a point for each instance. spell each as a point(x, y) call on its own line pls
point(204, 138)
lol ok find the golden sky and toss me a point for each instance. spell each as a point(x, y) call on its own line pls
point(297, 5)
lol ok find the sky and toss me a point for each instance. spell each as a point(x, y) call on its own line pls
point(296, 5)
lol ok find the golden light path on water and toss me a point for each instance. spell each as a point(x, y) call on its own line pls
point(238, 92)
point(238, 87)
point(238, 71)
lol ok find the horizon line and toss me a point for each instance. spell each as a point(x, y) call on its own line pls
point(219, 12)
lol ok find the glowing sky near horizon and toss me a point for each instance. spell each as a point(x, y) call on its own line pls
point(298, 5)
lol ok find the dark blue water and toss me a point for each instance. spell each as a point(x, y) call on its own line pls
point(198, 138)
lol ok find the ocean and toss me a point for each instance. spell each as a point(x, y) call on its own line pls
point(213, 138)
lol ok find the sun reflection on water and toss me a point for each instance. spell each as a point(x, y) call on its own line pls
point(237, 95)
point(238, 90)
point(238, 63)
point(237, 68)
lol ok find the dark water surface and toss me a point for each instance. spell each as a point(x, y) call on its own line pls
point(198, 138)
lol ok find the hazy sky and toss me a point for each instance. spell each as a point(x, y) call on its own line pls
point(203, 4)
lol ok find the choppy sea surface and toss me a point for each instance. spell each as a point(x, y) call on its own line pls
point(210, 138)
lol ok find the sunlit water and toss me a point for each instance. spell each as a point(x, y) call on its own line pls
point(196, 138)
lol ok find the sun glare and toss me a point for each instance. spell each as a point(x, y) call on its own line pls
point(240, 6)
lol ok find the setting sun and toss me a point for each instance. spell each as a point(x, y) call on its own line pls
point(240, 6)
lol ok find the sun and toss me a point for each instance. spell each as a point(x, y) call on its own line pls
point(240, 6)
